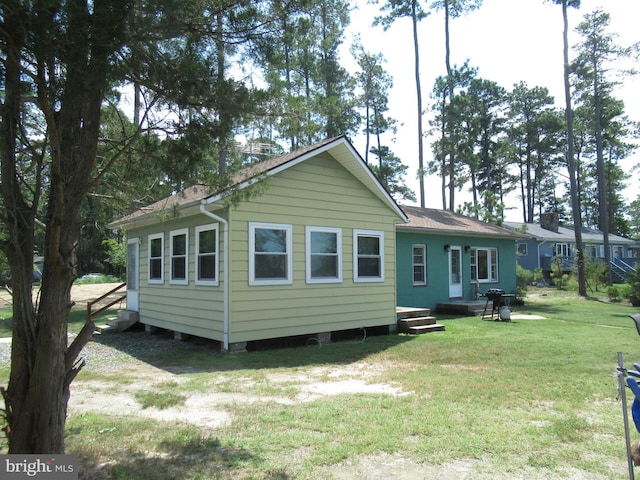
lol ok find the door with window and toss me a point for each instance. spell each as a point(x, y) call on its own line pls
point(133, 264)
point(455, 272)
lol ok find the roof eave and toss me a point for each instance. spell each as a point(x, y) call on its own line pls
point(466, 233)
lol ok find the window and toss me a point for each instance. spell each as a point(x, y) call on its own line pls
point(324, 255)
point(484, 264)
point(156, 258)
point(561, 250)
point(368, 256)
point(419, 265)
point(591, 251)
point(270, 254)
point(207, 255)
point(179, 247)
point(522, 249)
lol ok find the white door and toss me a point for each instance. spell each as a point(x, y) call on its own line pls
point(133, 264)
point(455, 272)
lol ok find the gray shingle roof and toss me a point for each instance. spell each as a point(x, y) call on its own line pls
point(565, 234)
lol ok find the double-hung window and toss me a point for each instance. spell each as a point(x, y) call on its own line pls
point(368, 256)
point(484, 264)
point(419, 265)
point(270, 254)
point(561, 250)
point(156, 258)
point(207, 255)
point(179, 248)
point(324, 254)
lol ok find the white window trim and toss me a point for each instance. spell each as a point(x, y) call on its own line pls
point(423, 247)
point(172, 235)
point(253, 281)
point(206, 228)
point(474, 263)
point(367, 233)
point(155, 281)
point(308, 231)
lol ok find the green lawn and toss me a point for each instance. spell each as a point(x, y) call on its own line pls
point(529, 397)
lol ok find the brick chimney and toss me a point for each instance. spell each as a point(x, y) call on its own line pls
point(550, 221)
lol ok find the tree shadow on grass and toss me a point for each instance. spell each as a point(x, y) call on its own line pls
point(176, 458)
point(197, 355)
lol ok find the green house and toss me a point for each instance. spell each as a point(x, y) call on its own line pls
point(312, 250)
point(446, 257)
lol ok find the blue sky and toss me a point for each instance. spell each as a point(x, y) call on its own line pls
point(508, 41)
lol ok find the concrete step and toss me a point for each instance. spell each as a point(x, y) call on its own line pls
point(105, 329)
point(124, 320)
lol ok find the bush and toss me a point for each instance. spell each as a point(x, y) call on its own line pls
point(633, 280)
point(524, 278)
point(613, 293)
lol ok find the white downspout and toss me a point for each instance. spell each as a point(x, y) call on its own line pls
point(225, 287)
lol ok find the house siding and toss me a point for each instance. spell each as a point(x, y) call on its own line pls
point(437, 288)
point(318, 192)
point(192, 309)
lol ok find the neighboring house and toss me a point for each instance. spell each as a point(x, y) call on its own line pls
point(550, 243)
point(443, 256)
point(311, 251)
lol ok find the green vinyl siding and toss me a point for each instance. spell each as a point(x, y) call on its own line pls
point(193, 309)
point(318, 192)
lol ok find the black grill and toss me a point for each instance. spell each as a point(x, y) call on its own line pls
point(494, 294)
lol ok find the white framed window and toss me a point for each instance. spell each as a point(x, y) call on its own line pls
point(419, 265)
point(270, 254)
point(323, 254)
point(368, 256)
point(156, 258)
point(179, 248)
point(207, 259)
point(484, 264)
point(561, 250)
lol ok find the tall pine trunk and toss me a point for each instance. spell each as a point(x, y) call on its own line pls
point(571, 161)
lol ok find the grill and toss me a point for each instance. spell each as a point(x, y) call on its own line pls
point(497, 299)
point(494, 294)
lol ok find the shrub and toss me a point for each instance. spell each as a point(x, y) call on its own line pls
point(633, 280)
point(524, 278)
point(613, 293)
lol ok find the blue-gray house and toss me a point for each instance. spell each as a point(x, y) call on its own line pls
point(549, 242)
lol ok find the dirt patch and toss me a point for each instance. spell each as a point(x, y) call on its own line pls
point(80, 294)
point(211, 409)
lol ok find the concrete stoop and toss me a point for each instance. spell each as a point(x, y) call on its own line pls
point(124, 320)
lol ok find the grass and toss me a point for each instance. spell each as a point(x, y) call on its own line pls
point(530, 397)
